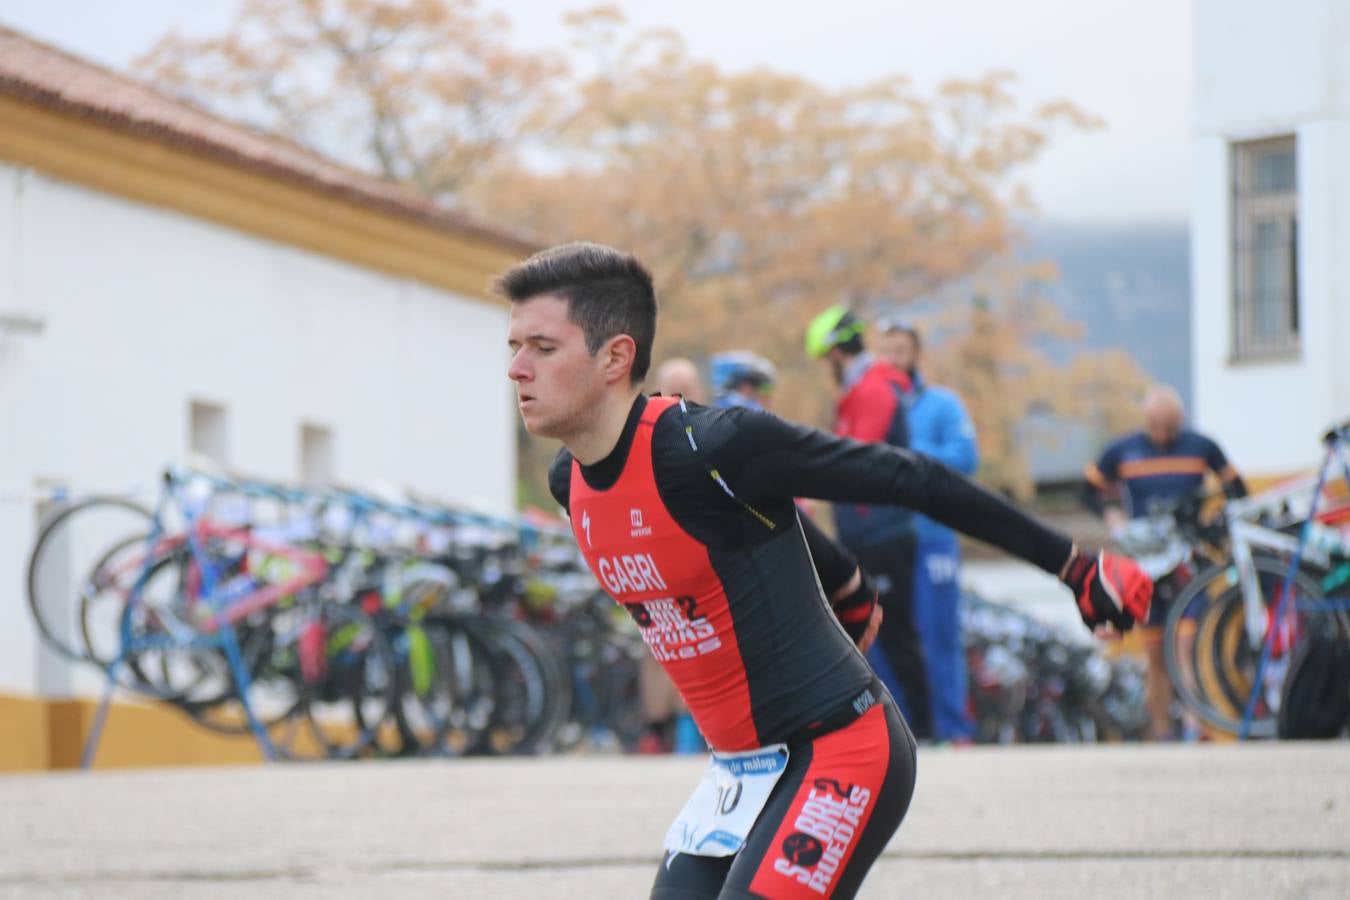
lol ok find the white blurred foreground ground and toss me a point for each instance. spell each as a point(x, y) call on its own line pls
point(1267, 821)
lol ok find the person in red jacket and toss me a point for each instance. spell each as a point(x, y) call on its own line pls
point(686, 516)
point(871, 408)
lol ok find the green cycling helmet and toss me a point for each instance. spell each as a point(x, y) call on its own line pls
point(831, 328)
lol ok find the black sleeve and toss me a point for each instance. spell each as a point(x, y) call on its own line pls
point(560, 477)
point(764, 458)
point(834, 564)
point(1214, 457)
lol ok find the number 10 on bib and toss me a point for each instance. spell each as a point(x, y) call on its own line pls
point(728, 800)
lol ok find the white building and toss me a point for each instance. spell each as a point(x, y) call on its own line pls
point(1270, 232)
point(171, 282)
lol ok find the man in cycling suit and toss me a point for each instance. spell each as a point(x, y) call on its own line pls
point(1163, 463)
point(685, 515)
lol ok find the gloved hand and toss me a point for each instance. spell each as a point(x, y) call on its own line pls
point(1110, 589)
point(855, 610)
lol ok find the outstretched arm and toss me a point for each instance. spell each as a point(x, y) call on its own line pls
point(768, 458)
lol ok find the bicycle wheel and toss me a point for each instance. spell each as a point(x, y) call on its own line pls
point(425, 690)
point(621, 694)
point(1209, 660)
point(103, 596)
point(70, 543)
point(349, 695)
point(473, 688)
point(1315, 701)
point(162, 652)
point(529, 703)
point(274, 689)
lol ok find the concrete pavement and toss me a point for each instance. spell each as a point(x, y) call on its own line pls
point(1260, 820)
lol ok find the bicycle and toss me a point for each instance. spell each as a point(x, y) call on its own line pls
point(1231, 630)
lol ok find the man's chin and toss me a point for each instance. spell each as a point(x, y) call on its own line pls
point(538, 426)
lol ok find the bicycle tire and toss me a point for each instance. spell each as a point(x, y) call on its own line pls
point(425, 691)
point(1203, 678)
point(1315, 698)
point(224, 713)
point(93, 588)
point(359, 680)
point(526, 711)
point(46, 609)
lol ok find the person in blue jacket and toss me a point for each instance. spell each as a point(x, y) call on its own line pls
point(938, 427)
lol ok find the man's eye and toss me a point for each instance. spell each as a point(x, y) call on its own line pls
point(546, 350)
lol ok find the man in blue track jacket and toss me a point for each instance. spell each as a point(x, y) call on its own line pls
point(938, 427)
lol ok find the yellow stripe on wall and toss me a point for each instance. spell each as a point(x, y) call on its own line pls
point(50, 734)
point(145, 170)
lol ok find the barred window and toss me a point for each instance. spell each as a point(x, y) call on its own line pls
point(1265, 249)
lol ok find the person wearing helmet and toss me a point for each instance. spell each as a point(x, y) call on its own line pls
point(685, 514)
point(741, 379)
point(871, 408)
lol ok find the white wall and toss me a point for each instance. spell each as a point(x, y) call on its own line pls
point(1263, 64)
point(146, 310)
point(1266, 69)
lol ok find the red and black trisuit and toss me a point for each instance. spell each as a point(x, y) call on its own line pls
point(690, 524)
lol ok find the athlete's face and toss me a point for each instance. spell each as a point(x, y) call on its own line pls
point(558, 383)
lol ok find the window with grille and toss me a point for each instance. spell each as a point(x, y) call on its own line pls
point(1265, 249)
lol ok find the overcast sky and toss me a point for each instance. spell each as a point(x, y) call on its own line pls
point(1127, 61)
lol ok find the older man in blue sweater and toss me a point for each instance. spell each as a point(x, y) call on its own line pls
point(940, 428)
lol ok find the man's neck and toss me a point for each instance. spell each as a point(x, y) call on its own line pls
point(598, 440)
point(854, 367)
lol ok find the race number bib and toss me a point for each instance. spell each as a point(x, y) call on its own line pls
point(729, 798)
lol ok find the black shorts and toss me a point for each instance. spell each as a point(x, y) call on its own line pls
point(831, 814)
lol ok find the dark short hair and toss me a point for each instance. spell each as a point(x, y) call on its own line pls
point(608, 293)
point(891, 324)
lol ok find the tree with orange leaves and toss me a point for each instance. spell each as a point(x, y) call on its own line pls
point(757, 198)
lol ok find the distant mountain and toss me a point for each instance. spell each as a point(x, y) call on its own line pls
point(1130, 288)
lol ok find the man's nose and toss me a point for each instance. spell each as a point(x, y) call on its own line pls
point(517, 370)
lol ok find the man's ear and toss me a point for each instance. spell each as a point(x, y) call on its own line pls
point(618, 354)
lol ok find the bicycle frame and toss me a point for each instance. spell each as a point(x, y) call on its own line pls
point(1335, 440)
point(1246, 536)
point(217, 631)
